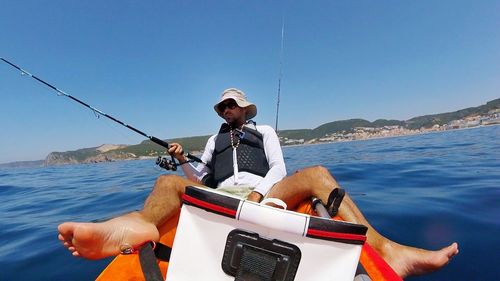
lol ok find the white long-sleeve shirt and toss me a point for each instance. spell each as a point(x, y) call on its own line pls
point(274, 155)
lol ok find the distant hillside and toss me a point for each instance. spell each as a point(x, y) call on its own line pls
point(336, 127)
point(197, 143)
point(444, 118)
point(426, 121)
point(145, 149)
point(86, 155)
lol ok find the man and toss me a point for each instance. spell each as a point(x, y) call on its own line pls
point(245, 159)
point(257, 149)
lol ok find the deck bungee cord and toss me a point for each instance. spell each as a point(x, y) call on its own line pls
point(169, 164)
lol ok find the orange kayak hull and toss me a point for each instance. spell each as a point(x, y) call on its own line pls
point(127, 267)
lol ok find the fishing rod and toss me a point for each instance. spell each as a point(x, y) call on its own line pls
point(281, 72)
point(163, 162)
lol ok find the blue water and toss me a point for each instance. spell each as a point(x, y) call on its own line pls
point(426, 191)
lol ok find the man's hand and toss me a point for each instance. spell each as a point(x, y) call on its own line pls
point(254, 196)
point(177, 152)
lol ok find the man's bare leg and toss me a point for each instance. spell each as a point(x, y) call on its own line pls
point(405, 260)
point(99, 240)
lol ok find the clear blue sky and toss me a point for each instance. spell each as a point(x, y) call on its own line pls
point(161, 65)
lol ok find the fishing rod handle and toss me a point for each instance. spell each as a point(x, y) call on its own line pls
point(167, 146)
point(160, 142)
point(194, 158)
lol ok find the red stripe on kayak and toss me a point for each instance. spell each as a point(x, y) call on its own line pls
point(376, 266)
point(336, 235)
point(210, 206)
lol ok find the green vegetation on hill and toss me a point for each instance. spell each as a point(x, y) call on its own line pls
point(384, 122)
point(297, 134)
point(149, 148)
point(349, 125)
point(336, 127)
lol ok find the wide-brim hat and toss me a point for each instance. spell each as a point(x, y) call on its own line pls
point(241, 100)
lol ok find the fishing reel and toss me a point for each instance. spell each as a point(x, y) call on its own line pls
point(171, 165)
point(167, 164)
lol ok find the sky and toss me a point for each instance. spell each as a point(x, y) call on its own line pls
point(160, 66)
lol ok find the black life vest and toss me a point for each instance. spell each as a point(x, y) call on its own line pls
point(250, 152)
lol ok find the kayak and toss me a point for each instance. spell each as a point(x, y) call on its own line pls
point(128, 267)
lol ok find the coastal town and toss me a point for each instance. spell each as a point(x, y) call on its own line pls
point(363, 133)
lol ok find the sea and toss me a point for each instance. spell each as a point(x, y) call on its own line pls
point(426, 190)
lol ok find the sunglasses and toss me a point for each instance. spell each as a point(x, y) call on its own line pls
point(231, 105)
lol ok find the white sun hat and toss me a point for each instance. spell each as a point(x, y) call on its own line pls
point(241, 100)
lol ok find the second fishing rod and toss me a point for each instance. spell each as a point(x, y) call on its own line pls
point(163, 162)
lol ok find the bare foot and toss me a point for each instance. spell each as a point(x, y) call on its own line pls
point(104, 239)
point(408, 261)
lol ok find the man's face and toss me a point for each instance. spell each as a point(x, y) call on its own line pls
point(232, 113)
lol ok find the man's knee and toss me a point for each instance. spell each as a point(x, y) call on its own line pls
point(315, 171)
point(167, 181)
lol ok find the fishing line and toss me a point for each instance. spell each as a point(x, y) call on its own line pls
point(167, 164)
point(281, 71)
